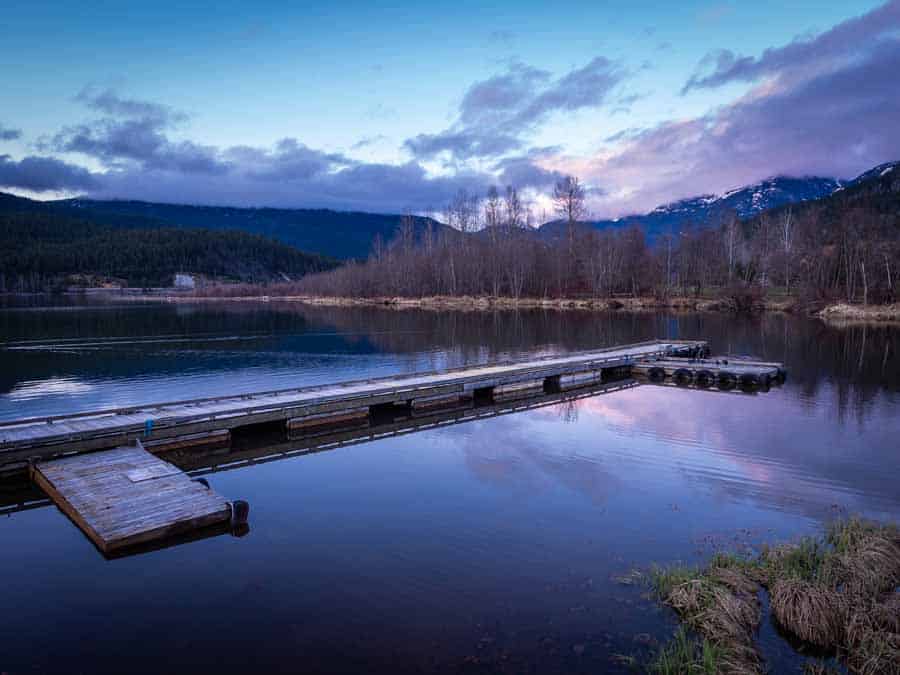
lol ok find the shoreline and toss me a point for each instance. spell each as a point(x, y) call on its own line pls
point(842, 313)
point(486, 303)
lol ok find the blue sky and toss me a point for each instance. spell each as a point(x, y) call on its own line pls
point(391, 106)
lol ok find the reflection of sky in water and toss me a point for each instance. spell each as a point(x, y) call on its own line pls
point(51, 387)
point(496, 539)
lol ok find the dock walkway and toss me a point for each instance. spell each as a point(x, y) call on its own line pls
point(39, 438)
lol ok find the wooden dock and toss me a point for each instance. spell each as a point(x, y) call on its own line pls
point(101, 467)
point(28, 440)
point(127, 497)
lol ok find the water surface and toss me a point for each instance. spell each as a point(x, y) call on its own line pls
point(489, 546)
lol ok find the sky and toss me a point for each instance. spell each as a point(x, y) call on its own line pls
point(397, 106)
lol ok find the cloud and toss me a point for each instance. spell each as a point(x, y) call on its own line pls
point(843, 44)
point(132, 141)
point(134, 132)
point(524, 171)
point(464, 144)
point(367, 141)
point(42, 174)
point(502, 37)
point(7, 134)
point(837, 122)
point(497, 113)
point(110, 102)
point(259, 177)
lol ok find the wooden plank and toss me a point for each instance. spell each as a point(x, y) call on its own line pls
point(126, 496)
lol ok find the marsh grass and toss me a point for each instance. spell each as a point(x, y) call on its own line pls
point(821, 668)
point(838, 592)
point(721, 606)
point(685, 654)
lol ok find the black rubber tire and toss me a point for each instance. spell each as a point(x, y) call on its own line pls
point(657, 374)
point(749, 381)
point(704, 378)
point(726, 379)
point(683, 376)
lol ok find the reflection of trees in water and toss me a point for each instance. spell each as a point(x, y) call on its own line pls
point(568, 411)
point(856, 362)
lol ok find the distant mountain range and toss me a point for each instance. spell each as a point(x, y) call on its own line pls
point(709, 210)
point(345, 235)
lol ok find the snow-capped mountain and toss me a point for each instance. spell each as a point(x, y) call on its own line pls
point(752, 199)
point(707, 210)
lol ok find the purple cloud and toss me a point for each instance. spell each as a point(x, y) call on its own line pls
point(843, 44)
point(42, 174)
point(838, 122)
point(360, 186)
point(495, 114)
point(524, 171)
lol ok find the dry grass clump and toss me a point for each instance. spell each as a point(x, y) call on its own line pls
point(871, 568)
point(839, 593)
point(874, 633)
point(721, 606)
point(810, 612)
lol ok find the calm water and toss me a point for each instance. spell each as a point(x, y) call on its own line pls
point(489, 546)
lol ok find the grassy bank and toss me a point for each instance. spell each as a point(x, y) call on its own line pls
point(834, 313)
point(836, 594)
point(844, 313)
point(487, 303)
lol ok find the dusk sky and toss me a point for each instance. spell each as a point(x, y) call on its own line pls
point(385, 108)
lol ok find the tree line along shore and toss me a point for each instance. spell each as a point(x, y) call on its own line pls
point(838, 255)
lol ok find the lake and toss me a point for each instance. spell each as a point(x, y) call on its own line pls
point(496, 545)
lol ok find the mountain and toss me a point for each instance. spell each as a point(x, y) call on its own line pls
point(708, 210)
point(43, 247)
point(875, 173)
point(336, 234)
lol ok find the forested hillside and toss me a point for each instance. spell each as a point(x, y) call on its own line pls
point(337, 234)
point(44, 250)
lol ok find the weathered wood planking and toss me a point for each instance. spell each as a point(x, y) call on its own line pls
point(78, 432)
point(126, 496)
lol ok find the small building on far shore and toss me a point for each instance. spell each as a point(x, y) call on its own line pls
point(185, 282)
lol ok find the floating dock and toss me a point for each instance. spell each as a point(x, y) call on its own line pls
point(126, 497)
point(723, 372)
point(28, 440)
